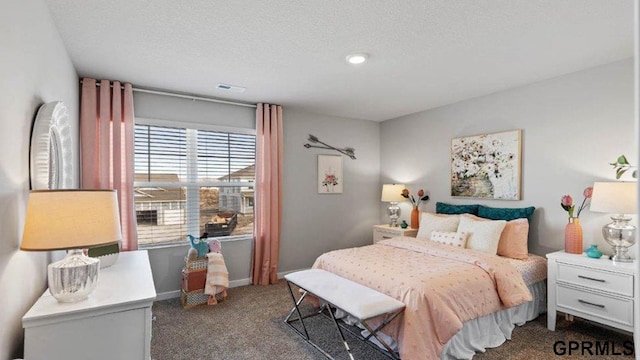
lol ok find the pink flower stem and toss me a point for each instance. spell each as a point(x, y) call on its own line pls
point(581, 206)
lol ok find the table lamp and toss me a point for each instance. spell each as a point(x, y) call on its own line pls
point(392, 193)
point(617, 198)
point(71, 220)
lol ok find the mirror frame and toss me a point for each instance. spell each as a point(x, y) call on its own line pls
point(50, 162)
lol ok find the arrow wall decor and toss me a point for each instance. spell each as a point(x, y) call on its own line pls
point(349, 151)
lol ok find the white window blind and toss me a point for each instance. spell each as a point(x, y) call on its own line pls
point(192, 181)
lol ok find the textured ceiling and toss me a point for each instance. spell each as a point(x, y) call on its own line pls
point(423, 53)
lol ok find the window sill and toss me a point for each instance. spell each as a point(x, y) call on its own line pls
point(222, 239)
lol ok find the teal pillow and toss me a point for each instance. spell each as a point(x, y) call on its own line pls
point(506, 213)
point(443, 208)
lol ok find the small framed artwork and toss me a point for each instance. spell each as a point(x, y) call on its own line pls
point(487, 166)
point(330, 178)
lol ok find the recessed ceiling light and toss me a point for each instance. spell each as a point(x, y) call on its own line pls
point(357, 58)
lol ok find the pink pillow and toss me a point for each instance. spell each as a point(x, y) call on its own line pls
point(513, 241)
point(514, 238)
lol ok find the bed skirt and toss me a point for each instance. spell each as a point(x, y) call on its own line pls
point(494, 329)
point(482, 333)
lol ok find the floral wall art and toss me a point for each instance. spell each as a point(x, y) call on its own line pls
point(330, 178)
point(487, 166)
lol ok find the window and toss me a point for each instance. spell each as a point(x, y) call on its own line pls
point(192, 181)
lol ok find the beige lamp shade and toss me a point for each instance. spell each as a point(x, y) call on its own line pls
point(392, 192)
point(71, 219)
point(614, 197)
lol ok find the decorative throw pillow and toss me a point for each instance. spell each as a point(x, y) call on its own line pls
point(444, 208)
point(458, 239)
point(513, 240)
point(430, 222)
point(505, 213)
point(484, 235)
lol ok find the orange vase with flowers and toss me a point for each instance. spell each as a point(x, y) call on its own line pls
point(573, 230)
point(415, 202)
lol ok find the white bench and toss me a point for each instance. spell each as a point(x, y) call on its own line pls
point(357, 300)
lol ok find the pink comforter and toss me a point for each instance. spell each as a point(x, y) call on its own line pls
point(442, 286)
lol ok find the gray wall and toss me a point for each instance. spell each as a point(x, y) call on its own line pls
point(314, 223)
point(34, 69)
point(573, 127)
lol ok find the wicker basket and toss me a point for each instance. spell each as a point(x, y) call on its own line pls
point(195, 298)
point(197, 264)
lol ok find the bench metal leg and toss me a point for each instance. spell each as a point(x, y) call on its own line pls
point(296, 308)
point(372, 332)
point(344, 341)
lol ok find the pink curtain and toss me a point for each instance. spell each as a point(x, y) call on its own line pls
point(106, 140)
point(268, 196)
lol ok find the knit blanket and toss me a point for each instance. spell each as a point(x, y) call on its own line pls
point(217, 278)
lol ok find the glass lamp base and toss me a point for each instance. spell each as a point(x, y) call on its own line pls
point(74, 277)
point(621, 255)
point(394, 213)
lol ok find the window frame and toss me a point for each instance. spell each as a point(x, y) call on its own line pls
point(192, 185)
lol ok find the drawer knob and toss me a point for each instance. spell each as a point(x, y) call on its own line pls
point(590, 278)
point(590, 303)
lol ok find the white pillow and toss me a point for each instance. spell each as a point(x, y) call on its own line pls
point(458, 239)
point(484, 235)
point(438, 222)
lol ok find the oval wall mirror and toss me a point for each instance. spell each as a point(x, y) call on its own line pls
point(50, 158)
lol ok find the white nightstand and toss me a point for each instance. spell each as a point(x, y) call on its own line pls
point(593, 289)
point(381, 232)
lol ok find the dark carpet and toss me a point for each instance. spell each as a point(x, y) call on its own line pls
point(249, 325)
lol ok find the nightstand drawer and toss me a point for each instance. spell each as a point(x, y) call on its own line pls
point(383, 232)
point(605, 307)
point(387, 234)
point(600, 280)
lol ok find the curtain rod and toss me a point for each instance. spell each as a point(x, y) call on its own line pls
point(184, 96)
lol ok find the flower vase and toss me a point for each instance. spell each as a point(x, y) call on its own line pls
point(415, 218)
point(573, 236)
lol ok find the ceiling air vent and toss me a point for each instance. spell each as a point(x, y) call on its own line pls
point(232, 88)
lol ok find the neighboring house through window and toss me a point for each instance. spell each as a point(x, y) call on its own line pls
point(193, 180)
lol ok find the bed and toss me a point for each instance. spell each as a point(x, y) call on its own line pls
point(458, 301)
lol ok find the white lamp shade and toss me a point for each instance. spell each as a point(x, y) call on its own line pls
point(70, 219)
point(614, 197)
point(392, 192)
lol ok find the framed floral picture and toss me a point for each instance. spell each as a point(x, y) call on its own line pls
point(487, 166)
point(330, 178)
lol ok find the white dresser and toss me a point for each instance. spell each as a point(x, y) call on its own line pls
point(113, 323)
point(594, 289)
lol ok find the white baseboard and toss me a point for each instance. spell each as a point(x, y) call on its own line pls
point(168, 295)
point(233, 283)
point(240, 282)
point(282, 274)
